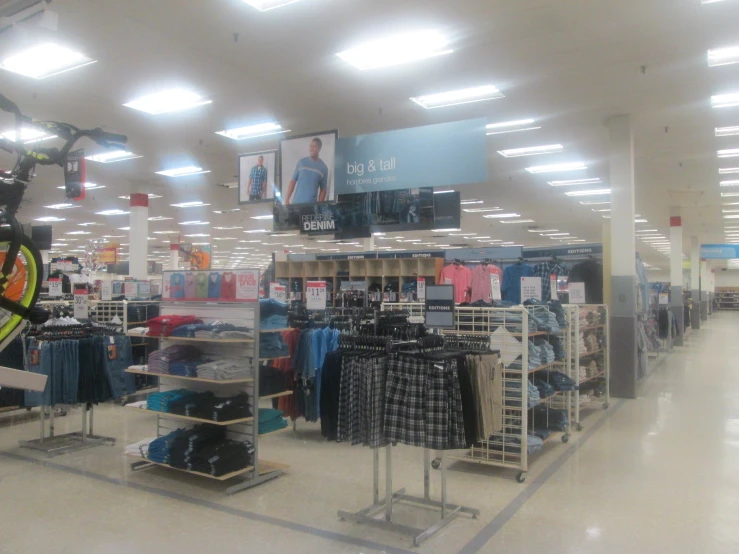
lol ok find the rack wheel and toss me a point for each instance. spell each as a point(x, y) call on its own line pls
point(578, 426)
point(565, 438)
point(606, 405)
point(521, 477)
point(436, 464)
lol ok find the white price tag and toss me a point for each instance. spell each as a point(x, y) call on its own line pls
point(144, 289)
point(106, 290)
point(421, 289)
point(530, 288)
point(577, 293)
point(553, 286)
point(278, 292)
point(447, 281)
point(316, 295)
point(55, 287)
point(495, 287)
point(131, 289)
point(664, 298)
point(81, 305)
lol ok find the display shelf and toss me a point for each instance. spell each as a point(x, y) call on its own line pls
point(275, 330)
point(225, 477)
point(591, 353)
point(194, 379)
point(592, 327)
point(192, 419)
point(270, 359)
point(192, 339)
point(265, 466)
point(598, 375)
point(287, 428)
point(277, 395)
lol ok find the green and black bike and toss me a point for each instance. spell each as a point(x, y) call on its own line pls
point(20, 261)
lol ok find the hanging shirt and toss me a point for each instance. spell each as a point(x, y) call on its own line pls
point(228, 286)
point(201, 285)
point(545, 270)
point(214, 285)
point(190, 287)
point(177, 285)
point(459, 276)
point(511, 288)
point(480, 283)
point(309, 177)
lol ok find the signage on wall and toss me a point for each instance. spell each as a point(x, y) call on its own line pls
point(577, 293)
point(439, 306)
point(530, 288)
point(719, 251)
point(315, 293)
point(431, 156)
point(421, 288)
point(239, 285)
point(317, 224)
point(584, 250)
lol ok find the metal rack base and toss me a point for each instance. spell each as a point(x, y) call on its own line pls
point(55, 445)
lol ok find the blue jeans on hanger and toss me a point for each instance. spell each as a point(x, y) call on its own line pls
point(43, 367)
point(70, 371)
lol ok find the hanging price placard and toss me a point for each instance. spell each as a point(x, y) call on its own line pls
point(530, 288)
point(131, 289)
point(316, 295)
point(106, 290)
point(553, 285)
point(55, 287)
point(421, 289)
point(278, 292)
point(577, 293)
point(664, 298)
point(81, 305)
point(495, 287)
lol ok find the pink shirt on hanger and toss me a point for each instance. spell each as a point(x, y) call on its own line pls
point(459, 276)
point(480, 284)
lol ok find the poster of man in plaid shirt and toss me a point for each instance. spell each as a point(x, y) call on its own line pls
point(256, 176)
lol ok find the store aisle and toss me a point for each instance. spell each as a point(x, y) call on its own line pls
point(653, 475)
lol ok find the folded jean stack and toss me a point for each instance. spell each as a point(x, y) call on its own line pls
point(175, 360)
point(512, 444)
point(556, 379)
point(226, 369)
point(513, 389)
point(215, 330)
point(271, 420)
point(206, 405)
point(546, 349)
point(272, 381)
point(163, 326)
point(548, 418)
point(272, 345)
point(160, 401)
point(546, 390)
point(272, 314)
point(559, 348)
point(589, 341)
point(536, 358)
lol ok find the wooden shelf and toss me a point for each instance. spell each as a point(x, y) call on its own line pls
point(266, 466)
point(193, 419)
point(591, 353)
point(278, 395)
point(592, 327)
point(596, 376)
point(225, 477)
point(287, 428)
point(276, 330)
point(192, 339)
point(195, 379)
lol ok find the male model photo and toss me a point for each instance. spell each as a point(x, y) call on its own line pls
point(310, 178)
point(258, 180)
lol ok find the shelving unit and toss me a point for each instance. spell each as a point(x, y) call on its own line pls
point(245, 314)
point(727, 298)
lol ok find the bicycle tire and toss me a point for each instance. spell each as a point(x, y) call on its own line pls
point(34, 277)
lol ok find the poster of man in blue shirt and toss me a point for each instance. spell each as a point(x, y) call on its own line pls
point(310, 177)
point(257, 176)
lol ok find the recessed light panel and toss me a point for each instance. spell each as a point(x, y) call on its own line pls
point(168, 101)
point(50, 218)
point(729, 153)
point(575, 182)
point(44, 61)
point(112, 156)
point(65, 206)
point(183, 171)
point(594, 192)
point(532, 151)
point(574, 166)
point(511, 126)
point(725, 100)
point(455, 97)
point(397, 50)
point(253, 131)
point(112, 212)
point(194, 204)
point(29, 135)
point(723, 56)
point(728, 170)
point(266, 5)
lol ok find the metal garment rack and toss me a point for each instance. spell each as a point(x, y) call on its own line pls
point(413, 309)
point(243, 314)
point(579, 353)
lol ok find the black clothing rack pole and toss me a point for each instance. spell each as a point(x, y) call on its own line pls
point(384, 506)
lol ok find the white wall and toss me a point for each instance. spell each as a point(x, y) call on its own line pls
point(728, 278)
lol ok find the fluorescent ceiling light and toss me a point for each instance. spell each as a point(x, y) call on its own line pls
point(150, 195)
point(640, 221)
point(463, 202)
point(113, 156)
point(254, 231)
point(166, 232)
point(88, 186)
point(28, 135)
point(730, 153)
point(732, 183)
point(45, 60)
point(50, 218)
point(227, 228)
point(510, 126)
point(502, 216)
point(444, 230)
point(266, 5)
point(66, 206)
point(78, 233)
point(727, 194)
point(221, 212)
point(723, 56)
point(193, 204)
point(196, 222)
point(555, 234)
point(531, 151)
point(593, 192)
point(481, 210)
point(730, 211)
point(159, 218)
point(728, 170)
point(731, 216)
point(647, 230)
point(573, 166)
point(198, 235)
point(518, 221)
point(397, 50)
point(269, 216)
point(578, 240)
point(604, 210)
point(253, 131)
point(112, 212)
point(113, 236)
point(183, 171)
point(456, 97)
point(88, 224)
point(727, 131)
point(125, 229)
point(543, 230)
point(573, 182)
point(725, 100)
point(225, 238)
point(167, 101)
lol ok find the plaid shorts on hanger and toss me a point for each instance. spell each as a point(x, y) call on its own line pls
point(405, 397)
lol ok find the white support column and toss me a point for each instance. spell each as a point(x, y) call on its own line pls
point(174, 256)
point(623, 259)
point(676, 273)
point(695, 268)
point(705, 289)
point(138, 247)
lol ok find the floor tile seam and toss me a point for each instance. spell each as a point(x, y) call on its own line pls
point(244, 514)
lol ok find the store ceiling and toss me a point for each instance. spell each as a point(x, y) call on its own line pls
point(570, 64)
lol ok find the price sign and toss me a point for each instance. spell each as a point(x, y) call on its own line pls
point(421, 289)
point(81, 305)
point(664, 298)
point(577, 293)
point(495, 287)
point(247, 285)
point(55, 287)
point(131, 289)
point(144, 289)
point(53, 267)
point(553, 285)
point(106, 290)
point(316, 295)
point(278, 292)
point(530, 288)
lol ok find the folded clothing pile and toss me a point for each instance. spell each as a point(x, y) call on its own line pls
point(160, 401)
point(559, 349)
point(272, 345)
point(546, 349)
point(175, 360)
point(159, 448)
point(548, 418)
point(271, 420)
point(214, 330)
point(513, 389)
point(225, 370)
point(272, 381)
point(272, 314)
point(163, 325)
point(512, 444)
point(545, 389)
point(556, 379)
point(555, 306)
point(206, 405)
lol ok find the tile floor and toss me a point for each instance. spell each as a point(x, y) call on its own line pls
point(658, 474)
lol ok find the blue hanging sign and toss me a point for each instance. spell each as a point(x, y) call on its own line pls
point(719, 251)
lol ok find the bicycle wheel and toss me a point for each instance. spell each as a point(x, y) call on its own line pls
point(24, 284)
